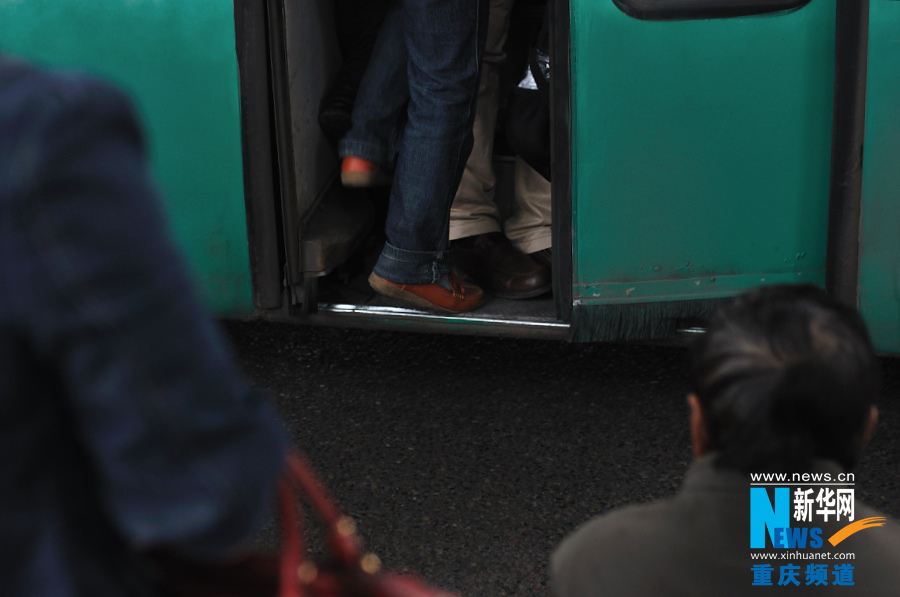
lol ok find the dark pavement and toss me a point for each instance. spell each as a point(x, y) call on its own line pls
point(468, 459)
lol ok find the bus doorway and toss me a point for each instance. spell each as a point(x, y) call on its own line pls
point(333, 234)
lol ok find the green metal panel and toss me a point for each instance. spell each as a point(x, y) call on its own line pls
point(701, 152)
point(879, 282)
point(177, 59)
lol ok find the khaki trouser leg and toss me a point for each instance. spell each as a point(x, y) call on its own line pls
point(529, 225)
point(474, 211)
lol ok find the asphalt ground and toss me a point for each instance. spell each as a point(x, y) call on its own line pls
point(468, 459)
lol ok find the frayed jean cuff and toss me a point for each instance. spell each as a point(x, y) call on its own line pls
point(413, 267)
point(374, 152)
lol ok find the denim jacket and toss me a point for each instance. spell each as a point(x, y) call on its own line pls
point(123, 423)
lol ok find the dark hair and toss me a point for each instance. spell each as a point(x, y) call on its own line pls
point(785, 374)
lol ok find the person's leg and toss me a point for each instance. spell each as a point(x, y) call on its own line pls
point(473, 210)
point(444, 40)
point(358, 23)
point(479, 247)
point(379, 111)
point(529, 225)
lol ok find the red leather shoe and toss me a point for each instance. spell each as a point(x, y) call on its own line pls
point(458, 298)
point(357, 172)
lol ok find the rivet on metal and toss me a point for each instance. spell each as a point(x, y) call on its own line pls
point(370, 563)
point(346, 526)
point(307, 572)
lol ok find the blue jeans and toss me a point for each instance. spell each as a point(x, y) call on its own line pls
point(415, 107)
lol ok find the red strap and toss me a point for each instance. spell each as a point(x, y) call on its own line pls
point(343, 545)
point(292, 548)
point(300, 479)
point(302, 475)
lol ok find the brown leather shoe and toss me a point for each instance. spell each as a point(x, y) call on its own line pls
point(544, 257)
point(493, 262)
point(458, 298)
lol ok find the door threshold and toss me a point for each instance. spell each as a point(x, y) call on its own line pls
point(493, 319)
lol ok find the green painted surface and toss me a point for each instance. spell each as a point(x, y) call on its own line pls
point(879, 285)
point(670, 289)
point(177, 60)
point(701, 152)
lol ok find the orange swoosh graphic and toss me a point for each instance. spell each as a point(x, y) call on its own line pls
point(855, 527)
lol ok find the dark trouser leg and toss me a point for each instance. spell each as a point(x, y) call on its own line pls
point(445, 42)
point(358, 24)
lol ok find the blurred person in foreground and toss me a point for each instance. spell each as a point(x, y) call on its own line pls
point(784, 381)
point(124, 426)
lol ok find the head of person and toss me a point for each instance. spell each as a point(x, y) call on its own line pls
point(783, 375)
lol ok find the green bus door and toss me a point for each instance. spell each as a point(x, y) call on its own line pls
point(879, 242)
point(700, 157)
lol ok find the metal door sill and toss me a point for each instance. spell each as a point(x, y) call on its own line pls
point(395, 318)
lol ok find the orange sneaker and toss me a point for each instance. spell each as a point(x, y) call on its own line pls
point(459, 297)
point(357, 172)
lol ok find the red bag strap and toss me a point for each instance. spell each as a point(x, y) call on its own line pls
point(341, 537)
point(293, 547)
point(301, 474)
point(341, 540)
point(299, 577)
